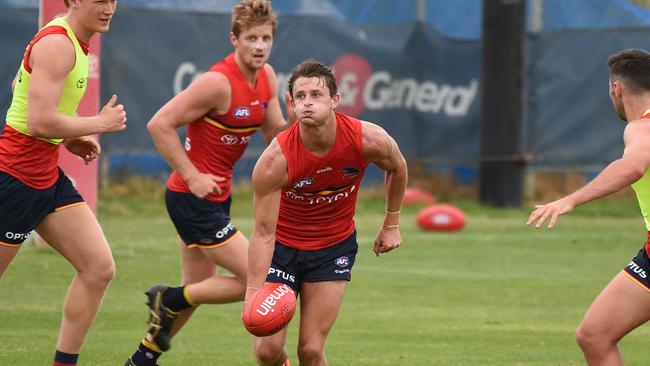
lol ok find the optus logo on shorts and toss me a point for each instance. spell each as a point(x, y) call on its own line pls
point(225, 231)
point(637, 269)
point(17, 236)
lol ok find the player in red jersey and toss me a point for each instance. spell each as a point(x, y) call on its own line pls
point(222, 109)
point(306, 184)
point(34, 191)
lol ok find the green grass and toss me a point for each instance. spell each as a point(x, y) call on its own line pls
point(495, 293)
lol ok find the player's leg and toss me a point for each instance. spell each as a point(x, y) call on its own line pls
point(75, 233)
point(205, 225)
point(224, 288)
point(320, 305)
point(623, 305)
point(269, 351)
point(7, 254)
point(21, 209)
point(195, 267)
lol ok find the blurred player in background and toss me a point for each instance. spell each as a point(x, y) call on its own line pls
point(222, 109)
point(306, 185)
point(624, 304)
point(34, 191)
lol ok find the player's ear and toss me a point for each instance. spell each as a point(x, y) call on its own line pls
point(234, 40)
point(617, 88)
point(335, 101)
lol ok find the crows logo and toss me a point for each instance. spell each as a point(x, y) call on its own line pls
point(350, 172)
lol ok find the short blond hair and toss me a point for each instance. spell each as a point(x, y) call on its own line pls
point(249, 13)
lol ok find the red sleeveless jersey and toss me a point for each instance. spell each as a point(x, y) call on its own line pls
point(215, 143)
point(317, 206)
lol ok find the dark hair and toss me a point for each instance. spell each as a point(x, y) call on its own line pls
point(67, 3)
point(313, 69)
point(633, 66)
point(252, 12)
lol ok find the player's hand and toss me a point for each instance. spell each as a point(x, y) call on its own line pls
point(291, 113)
point(249, 292)
point(388, 239)
point(202, 184)
point(84, 147)
point(112, 116)
point(550, 211)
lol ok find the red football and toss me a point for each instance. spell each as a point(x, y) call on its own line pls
point(441, 217)
point(269, 309)
point(417, 195)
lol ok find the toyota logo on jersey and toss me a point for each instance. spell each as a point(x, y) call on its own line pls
point(229, 139)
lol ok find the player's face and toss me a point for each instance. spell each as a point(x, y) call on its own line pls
point(254, 45)
point(94, 15)
point(312, 101)
point(615, 96)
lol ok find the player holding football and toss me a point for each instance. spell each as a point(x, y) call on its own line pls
point(624, 304)
point(222, 109)
point(306, 184)
point(34, 191)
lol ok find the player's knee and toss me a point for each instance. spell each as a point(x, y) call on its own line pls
point(267, 354)
point(590, 339)
point(307, 352)
point(101, 274)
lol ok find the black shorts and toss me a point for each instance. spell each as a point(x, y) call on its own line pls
point(294, 266)
point(639, 269)
point(200, 223)
point(22, 208)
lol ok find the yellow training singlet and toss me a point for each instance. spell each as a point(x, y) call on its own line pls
point(642, 189)
point(73, 89)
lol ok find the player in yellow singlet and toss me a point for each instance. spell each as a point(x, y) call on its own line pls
point(624, 304)
point(34, 191)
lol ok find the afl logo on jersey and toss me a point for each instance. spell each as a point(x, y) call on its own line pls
point(302, 182)
point(241, 113)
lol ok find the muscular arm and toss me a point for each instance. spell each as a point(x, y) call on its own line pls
point(616, 176)
point(211, 91)
point(51, 59)
point(269, 176)
point(379, 148)
point(274, 122)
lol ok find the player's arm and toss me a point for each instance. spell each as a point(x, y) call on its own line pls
point(51, 59)
point(274, 122)
point(379, 148)
point(85, 147)
point(269, 176)
point(211, 91)
point(616, 176)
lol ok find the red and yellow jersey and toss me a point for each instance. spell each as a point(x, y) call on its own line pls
point(215, 143)
point(32, 160)
point(317, 206)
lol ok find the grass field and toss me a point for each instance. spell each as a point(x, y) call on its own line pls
point(496, 293)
